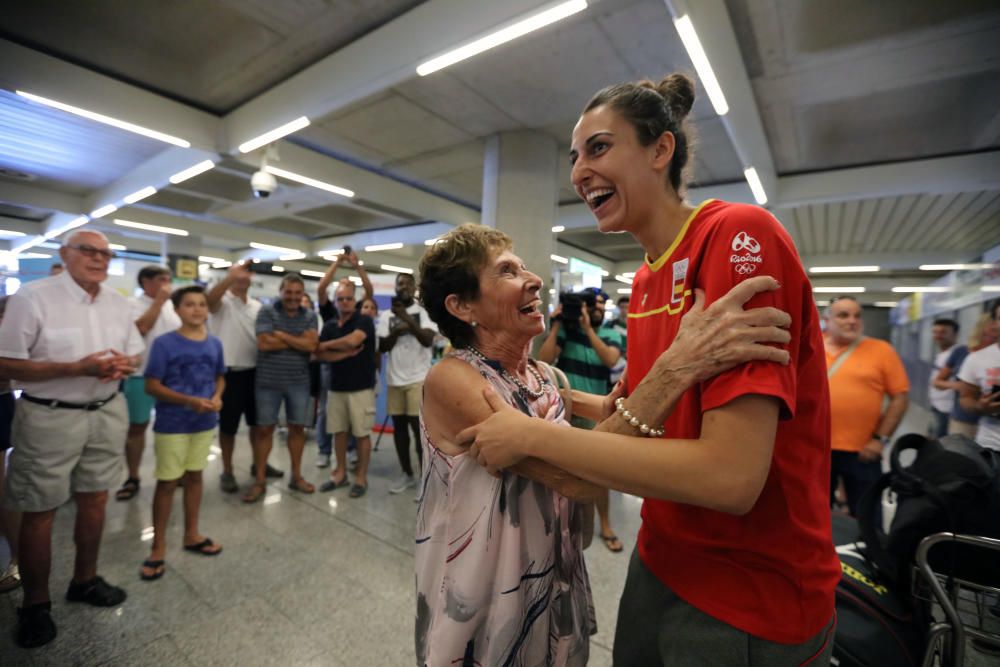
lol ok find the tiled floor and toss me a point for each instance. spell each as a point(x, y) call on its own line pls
point(304, 580)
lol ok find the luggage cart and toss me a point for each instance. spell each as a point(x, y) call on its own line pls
point(963, 603)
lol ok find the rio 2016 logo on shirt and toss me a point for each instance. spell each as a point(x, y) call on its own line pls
point(746, 263)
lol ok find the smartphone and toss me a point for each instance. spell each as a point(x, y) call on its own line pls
point(347, 250)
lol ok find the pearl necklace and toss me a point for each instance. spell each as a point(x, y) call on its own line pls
point(523, 388)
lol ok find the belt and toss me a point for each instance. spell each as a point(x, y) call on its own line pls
point(52, 403)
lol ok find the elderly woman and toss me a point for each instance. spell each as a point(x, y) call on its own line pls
point(499, 564)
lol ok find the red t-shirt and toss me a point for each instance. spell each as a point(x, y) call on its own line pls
point(771, 573)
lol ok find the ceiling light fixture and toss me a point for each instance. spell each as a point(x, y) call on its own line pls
point(843, 269)
point(605, 273)
point(384, 246)
point(331, 254)
point(103, 211)
point(224, 264)
point(191, 172)
point(886, 304)
point(755, 185)
point(72, 224)
point(151, 228)
point(629, 274)
point(838, 290)
point(430, 242)
point(559, 258)
point(953, 267)
point(116, 246)
point(292, 256)
point(274, 248)
point(107, 120)
point(305, 180)
point(314, 274)
point(990, 288)
point(16, 250)
point(558, 228)
point(11, 234)
point(921, 290)
point(623, 279)
point(279, 269)
point(502, 36)
point(34, 255)
point(701, 65)
point(624, 290)
point(397, 269)
point(140, 195)
point(274, 135)
point(207, 259)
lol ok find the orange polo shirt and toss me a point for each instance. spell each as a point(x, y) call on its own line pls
point(857, 390)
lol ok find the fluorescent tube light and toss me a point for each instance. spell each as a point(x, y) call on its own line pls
point(623, 279)
point(279, 269)
point(224, 264)
point(274, 248)
point(397, 269)
point(356, 280)
point(558, 228)
point(191, 172)
point(11, 234)
point(624, 290)
point(629, 274)
point(207, 259)
point(755, 185)
point(838, 290)
point(990, 288)
point(605, 273)
point(16, 250)
point(384, 246)
point(139, 195)
point(107, 120)
point(559, 258)
point(886, 304)
point(314, 274)
point(292, 256)
point(430, 242)
point(274, 135)
point(913, 290)
point(116, 246)
point(502, 36)
point(823, 303)
point(151, 228)
point(843, 269)
point(103, 211)
point(72, 224)
point(331, 254)
point(34, 255)
point(953, 267)
point(305, 180)
point(701, 65)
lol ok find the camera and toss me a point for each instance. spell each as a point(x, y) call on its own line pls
point(347, 250)
point(263, 184)
point(572, 306)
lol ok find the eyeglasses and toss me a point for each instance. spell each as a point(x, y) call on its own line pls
point(345, 298)
point(93, 253)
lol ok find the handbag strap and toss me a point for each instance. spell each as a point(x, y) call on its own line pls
point(839, 361)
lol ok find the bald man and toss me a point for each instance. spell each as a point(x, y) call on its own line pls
point(67, 342)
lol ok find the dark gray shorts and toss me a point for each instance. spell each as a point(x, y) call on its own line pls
point(655, 627)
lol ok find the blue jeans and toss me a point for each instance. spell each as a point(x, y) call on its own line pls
point(323, 439)
point(296, 400)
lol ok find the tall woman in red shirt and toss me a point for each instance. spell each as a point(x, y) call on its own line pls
point(734, 562)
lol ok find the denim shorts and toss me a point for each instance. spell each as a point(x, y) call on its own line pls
point(295, 397)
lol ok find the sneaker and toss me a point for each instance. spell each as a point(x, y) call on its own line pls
point(403, 483)
point(96, 592)
point(35, 626)
point(269, 472)
point(10, 578)
point(227, 482)
point(322, 460)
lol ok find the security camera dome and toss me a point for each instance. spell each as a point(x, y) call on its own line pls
point(263, 184)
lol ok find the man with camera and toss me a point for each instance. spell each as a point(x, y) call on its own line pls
point(586, 351)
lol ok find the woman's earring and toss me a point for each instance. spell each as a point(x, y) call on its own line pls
point(474, 324)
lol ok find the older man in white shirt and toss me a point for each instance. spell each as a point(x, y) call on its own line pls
point(67, 342)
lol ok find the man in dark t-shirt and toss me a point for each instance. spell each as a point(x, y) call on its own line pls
point(347, 343)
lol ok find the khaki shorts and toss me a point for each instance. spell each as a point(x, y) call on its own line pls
point(62, 451)
point(351, 411)
point(177, 453)
point(405, 399)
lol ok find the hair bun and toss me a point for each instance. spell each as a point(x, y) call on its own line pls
point(678, 91)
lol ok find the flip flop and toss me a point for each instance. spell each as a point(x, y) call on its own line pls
point(301, 485)
point(156, 566)
point(255, 493)
point(358, 490)
point(204, 547)
point(331, 485)
point(611, 542)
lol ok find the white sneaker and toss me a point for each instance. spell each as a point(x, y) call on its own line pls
point(402, 484)
point(322, 460)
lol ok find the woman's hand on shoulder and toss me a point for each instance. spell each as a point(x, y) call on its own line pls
point(723, 335)
point(504, 438)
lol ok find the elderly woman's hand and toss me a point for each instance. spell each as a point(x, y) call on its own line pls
point(714, 339)
point(502, 439)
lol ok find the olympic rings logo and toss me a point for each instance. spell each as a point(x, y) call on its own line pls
point(744, 241)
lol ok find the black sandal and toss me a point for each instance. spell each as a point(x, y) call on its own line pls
point(158, 568)
point(129, 489)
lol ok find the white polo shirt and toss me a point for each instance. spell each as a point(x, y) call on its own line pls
point(54, 319)
point(166, 322)
point(235, 325)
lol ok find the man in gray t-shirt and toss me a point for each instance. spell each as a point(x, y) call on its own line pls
point(286, 336)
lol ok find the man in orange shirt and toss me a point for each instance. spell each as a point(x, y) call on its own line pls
point(862, 372)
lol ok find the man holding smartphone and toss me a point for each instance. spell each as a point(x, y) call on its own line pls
point(979, 392)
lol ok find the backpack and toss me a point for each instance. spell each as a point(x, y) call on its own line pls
point(953, 485)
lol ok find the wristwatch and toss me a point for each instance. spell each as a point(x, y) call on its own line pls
point(884, 439)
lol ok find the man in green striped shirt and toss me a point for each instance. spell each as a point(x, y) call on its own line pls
point(586, 352)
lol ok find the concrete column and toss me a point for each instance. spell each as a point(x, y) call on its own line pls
point(520, 196)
